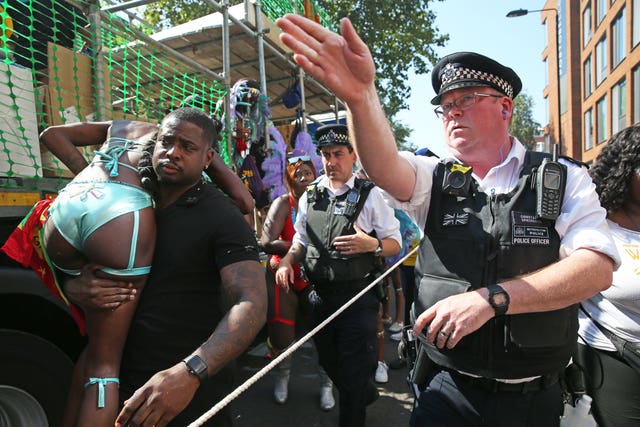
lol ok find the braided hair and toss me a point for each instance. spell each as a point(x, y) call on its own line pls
point(148, 177)
point(615, 166)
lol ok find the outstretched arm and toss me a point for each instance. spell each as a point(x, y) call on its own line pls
point(344, 64)
point(231, 184)
point(62, 141)
point(568, 281)
point(168, 392)
point(273, 226)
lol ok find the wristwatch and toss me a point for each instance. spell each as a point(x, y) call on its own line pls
point(197, 366)
point(378, 251)
point(499, 299)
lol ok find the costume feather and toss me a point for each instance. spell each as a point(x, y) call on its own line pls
point(274, 165)
point(305, 147)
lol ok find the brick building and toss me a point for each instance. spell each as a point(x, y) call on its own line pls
point(599, 72)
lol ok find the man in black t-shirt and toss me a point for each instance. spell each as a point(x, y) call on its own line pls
point(205, 299)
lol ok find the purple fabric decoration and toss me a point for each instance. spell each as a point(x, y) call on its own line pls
point(306, 147)
point(274, 165)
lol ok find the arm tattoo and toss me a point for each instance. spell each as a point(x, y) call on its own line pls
point(297, 253)
point(245, 292)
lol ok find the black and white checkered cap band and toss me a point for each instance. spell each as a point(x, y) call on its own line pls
point(451, 74)
point(333, 138)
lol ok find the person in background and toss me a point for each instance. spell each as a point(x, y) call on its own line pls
point(609, 343)
point(498, 280)
point(381, 375)
point(285, 302)
point(341, 227)
point(205, 299)
point(393, 285)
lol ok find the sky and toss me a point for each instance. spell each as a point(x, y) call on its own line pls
point(481, 26)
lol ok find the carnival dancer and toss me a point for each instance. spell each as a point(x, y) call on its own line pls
point(285, 302)
point(103, 216)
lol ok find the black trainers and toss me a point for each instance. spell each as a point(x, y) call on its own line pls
point(397, 364)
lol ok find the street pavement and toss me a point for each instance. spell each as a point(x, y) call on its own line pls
point(256, 406)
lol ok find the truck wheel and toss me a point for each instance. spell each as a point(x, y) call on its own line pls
point(34, 380)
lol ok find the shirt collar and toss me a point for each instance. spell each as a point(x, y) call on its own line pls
point(192, 195)
point(324, 183)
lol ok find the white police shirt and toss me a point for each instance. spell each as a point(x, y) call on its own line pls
point(375, 215)
point(582, 221)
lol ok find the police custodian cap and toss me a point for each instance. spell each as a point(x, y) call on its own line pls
point(332, 135)
point(467, 69)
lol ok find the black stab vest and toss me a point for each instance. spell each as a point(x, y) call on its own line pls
point(326, 267)
point(471, 242)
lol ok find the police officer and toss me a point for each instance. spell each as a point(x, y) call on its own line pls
point(497, 278)
point(343, 228)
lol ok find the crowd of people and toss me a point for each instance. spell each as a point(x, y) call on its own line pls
point(526, 264)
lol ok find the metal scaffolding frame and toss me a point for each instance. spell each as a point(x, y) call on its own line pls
point(195, 45)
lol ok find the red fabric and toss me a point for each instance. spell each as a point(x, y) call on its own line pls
point(24, 245)
point(287, 234)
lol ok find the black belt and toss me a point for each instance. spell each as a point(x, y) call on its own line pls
point(493, 386)
point(349, 287)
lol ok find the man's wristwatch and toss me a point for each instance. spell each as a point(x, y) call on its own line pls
point(197, 366)
point(378, 251)
point(499, 299)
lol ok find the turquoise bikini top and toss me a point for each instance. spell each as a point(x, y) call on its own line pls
point(111, 155)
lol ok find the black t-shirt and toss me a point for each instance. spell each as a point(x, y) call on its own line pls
point(181, 303)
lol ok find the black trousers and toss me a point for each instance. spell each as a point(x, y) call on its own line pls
point(613, 385)
point(347, 350)
point(445, 404)
point(408, 288)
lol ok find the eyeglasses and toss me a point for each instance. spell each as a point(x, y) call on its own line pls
point(462, 103)
point(296, 159)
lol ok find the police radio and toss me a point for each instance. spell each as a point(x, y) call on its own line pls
point(352, 200)
point(551, 178)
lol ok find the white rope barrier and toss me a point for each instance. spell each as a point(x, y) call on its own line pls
point(293, 347)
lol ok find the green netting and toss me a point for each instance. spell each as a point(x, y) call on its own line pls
point(48, 76)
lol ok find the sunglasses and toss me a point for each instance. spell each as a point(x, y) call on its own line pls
point(296, 159)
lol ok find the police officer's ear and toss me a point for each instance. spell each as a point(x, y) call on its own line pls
point(507, 108)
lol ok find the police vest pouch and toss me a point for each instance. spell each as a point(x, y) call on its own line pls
point(433, 289)
point(324, 266)
point(551, 329)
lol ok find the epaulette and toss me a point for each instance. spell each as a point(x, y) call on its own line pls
point(575, 162)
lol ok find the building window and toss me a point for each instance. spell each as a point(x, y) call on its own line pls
point(635, 22)
point(601, 60)
point(601, 10)
point(636, 95)
point(588, 130)
point(618, 39)
point(601, 117)
point(546, 108)
point(588, 78)
point(586, 25)
point(619, 107)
